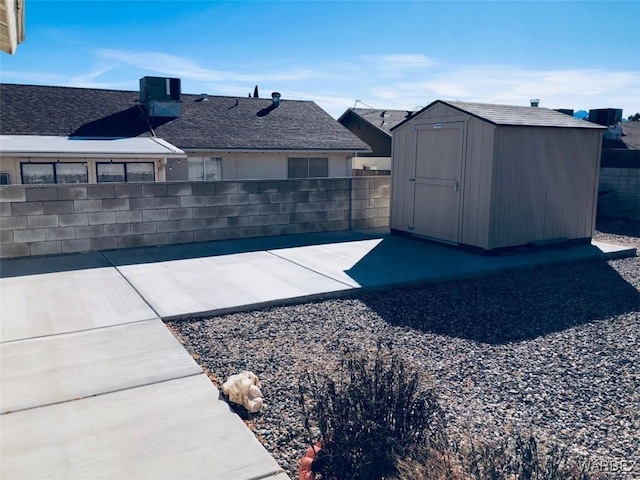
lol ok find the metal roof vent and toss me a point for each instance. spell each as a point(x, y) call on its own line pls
point(535, 102)
point(275, 96)
point(204, 97)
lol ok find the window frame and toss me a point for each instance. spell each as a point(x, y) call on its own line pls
point(308, 161)
point(126, 172)
point(54, 166)
point(203, 162)
point(57, 174)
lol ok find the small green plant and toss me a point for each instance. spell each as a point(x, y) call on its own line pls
point(369, 414)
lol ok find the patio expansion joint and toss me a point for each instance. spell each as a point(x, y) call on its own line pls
point(131, 285)
point(71, 332)
point(271, 252)
point(102, 393)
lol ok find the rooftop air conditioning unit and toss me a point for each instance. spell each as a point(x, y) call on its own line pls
point(161, 96)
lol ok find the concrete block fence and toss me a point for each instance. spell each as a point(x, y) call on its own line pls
point(622, 180)
point(53, 219)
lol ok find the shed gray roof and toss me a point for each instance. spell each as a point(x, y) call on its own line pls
point(516, 115)
point(383, 120)
point(218, 123)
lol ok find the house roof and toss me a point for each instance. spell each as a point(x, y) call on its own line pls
point(32, 145)
point(513, 115)
point(630, 139)
point(217, 123)
point(383, 120)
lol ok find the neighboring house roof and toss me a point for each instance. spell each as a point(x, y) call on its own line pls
point(41, 146)
point(383, 120)
point(630, 139)
point(217, 123)
point(515, 115)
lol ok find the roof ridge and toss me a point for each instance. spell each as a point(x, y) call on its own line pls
point(137, 92)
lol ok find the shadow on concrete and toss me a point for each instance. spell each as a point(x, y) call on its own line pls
point(19, 267)
point(510, 307)
point(134, 256)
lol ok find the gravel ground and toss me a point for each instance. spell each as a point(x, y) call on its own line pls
point(554, 350)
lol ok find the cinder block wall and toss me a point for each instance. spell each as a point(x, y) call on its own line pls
point(622, 180)
point(53, 219)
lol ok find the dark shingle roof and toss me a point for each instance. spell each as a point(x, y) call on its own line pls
point(220, 123)
point(383, 120)
point(517, 115)
point(629, 140)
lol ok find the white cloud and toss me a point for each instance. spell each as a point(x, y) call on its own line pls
point(586, 88)
point(399, 61)
point(190, 70)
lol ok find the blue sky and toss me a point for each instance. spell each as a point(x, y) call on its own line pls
point(387, 54)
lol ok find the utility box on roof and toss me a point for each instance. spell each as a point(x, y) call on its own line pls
point(161, 96)
point(494, 176)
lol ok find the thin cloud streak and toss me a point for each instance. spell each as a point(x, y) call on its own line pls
point(398, 81)
point(579, 88)
point(188, 69)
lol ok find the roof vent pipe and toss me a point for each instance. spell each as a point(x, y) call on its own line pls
point(535, 102)
point(275, 96)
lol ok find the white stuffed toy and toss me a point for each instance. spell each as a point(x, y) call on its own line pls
point(244, 389)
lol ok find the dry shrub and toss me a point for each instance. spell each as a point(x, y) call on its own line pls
point(368, 413)
point(515, 457)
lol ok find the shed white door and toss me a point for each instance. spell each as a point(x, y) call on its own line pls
point(436, 180)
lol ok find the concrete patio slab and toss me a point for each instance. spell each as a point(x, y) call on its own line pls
point(67, 301)
point(59, 368)
point(390, 260)
point(215, 284)
point(173, 429)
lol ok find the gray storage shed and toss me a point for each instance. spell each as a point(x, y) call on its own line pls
point(494, 176)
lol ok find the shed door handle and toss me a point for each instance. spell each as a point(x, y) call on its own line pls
point(412, 179)
point(456, 187)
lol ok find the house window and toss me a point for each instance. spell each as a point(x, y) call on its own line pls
point(140, 172)
point(71, 173)
point(204, 168)
point(111, 172)
point(5, 178)
point(125, 172)
point(308, 167)
point(37, 173)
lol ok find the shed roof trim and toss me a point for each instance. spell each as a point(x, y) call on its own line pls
point(514, 115)
point(34, 145)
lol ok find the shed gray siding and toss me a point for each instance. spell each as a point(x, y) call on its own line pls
point(545, 184)
point(519, 184)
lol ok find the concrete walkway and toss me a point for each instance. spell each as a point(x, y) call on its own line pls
point(93, 385)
